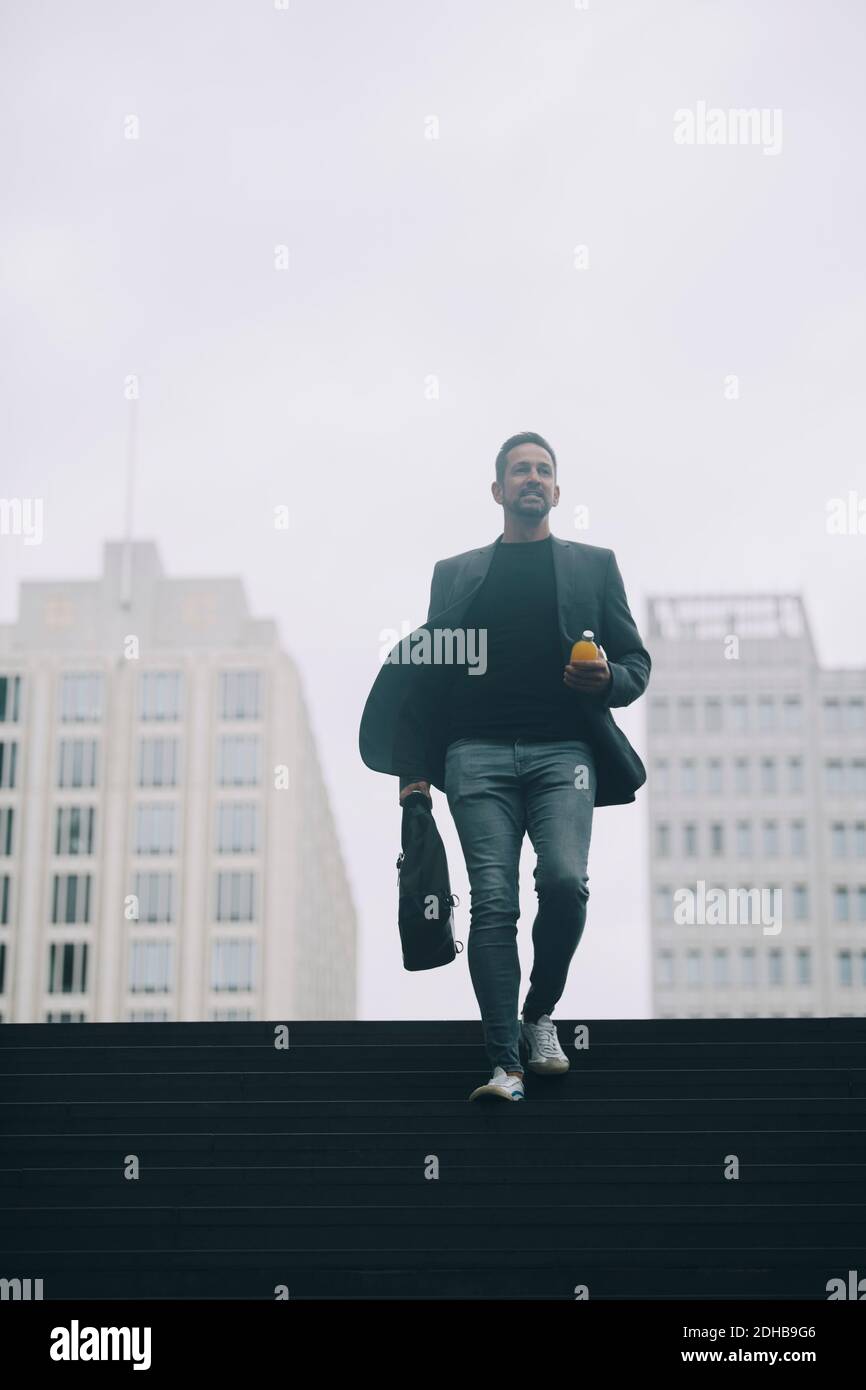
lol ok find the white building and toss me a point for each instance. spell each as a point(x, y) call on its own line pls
point(756, 780)
point(167, 850)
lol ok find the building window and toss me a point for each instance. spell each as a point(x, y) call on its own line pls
point(77, 762)
point(8, 764)
point(67, 967)
point(686, 723)
point(73, 829)
point(694, 968)
point(233, 965)
point(160, 695)
point(663, 839)
point(5, 899)
point(798, 839)
point(712, 714)
point(833, 776)
point(237, 827)
point(845, 974)
point(690, 839)
point(10, 699)
point(239, 760)
point(158, 762)
point(774, 966)
point(861, 902)
point(665, 968)
point(857, 777)
point(721, 976)
point(771, 839)
point(837, 840)
point(156, 828)
point(659, 715)
point(717, 839)
point(155, 893)
point(661, 776)
point(860, 839)
point(80, 697)
point(688, 777)
point(714, 776)
point(775, 894)
point(832, 717)
point(792, 713)
point(800, 892)
point(795, 775)
point(744, 838)
point(235, 897)
point(766, 713)
point(841, 903)
point(7, 840)
point(739, 714)
point(742, 779)
point(150, 967)
point(748, 967)
point(804, 967)
point(240, 695)
point(2, 967)
point(70, 898)
point(855, 716)
point(768, 776)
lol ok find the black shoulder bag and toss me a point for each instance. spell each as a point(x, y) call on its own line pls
point(425, 908)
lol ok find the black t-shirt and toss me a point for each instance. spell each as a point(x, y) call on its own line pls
point(521, 694)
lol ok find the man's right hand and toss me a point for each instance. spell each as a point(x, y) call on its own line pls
point(415, 787)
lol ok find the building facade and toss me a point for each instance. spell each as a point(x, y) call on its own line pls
point(167, 849)
point(757, 806)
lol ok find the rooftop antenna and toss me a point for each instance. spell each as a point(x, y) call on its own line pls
point(131, 454)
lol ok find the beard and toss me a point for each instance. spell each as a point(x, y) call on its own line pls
point(527, 508)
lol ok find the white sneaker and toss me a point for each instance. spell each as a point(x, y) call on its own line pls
point(546, 1057)
point(501, 1086)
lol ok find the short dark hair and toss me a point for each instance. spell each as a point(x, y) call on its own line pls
point(525, 437)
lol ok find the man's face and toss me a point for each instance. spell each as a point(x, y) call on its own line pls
point(528, 489)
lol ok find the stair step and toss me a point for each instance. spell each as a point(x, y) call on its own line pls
point(262, 1167)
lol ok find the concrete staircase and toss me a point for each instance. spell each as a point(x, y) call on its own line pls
point(350, 1165)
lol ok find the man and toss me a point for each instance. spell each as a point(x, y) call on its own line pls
point(520, 741)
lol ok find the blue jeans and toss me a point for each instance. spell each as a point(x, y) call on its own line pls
point(497, 790)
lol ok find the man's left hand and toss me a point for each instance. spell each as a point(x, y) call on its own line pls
point(588, 677)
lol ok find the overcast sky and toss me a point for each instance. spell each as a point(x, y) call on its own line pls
point(453, 258)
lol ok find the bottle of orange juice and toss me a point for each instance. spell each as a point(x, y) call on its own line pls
point(585, 649)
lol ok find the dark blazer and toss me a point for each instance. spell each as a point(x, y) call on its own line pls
point(403, 726)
